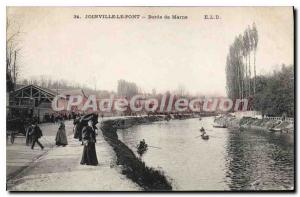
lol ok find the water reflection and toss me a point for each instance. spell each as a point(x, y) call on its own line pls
point(229, 160)
point(259, 161)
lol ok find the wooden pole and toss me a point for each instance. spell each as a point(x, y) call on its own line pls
point(15, 67)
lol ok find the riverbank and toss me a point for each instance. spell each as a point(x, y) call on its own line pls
point(133, 167)
point(248, 123)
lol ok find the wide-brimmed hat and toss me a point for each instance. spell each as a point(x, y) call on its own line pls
point(88, 117)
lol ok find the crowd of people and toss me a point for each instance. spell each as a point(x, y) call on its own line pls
point(56, 117)
point(85, 130)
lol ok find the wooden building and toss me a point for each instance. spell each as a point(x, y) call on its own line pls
point(30, 101)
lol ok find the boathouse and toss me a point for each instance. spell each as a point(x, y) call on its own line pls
point(31, 101)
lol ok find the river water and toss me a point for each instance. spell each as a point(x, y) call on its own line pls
point(229, 160)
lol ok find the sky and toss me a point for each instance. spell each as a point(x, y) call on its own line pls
point(160, 54)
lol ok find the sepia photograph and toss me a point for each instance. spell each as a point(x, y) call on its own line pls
point(184, 99)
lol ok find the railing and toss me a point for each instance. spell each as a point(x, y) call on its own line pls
point(252, 114)
point(290, 119)
point(280, 118)
point(256, 114)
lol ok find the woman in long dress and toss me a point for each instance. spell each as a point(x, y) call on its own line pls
point(89, 156)
point(61, 137)
point(77, 129)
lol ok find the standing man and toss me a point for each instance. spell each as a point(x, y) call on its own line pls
point(36, 133)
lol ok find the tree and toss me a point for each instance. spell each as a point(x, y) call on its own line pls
point(127, 89)
point(12, 49)
point(246, 46)
point(181, 91)
point(254, 37)
point(238, 64)
point(235, 69)
point(275, 93)
point(249, 59)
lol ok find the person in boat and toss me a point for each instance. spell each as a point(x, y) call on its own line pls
point(142, 143)
point(142, 147)
point(203, 133)
point(89, 156)
point(61, 137)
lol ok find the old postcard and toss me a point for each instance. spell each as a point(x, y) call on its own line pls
point(150, 99)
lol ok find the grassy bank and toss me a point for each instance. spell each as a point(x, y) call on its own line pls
point(133, 167)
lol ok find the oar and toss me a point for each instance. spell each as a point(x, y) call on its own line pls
point(207, 130)
point(214, 136)
point(154, 147)
point(208, 135)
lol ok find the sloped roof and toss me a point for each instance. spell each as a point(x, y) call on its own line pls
point(36, 87)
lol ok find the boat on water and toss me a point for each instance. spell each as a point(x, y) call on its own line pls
point(275, 130)
point(142, 150)
point(142, 147)
point(205, 137)
point(219, 126)
point(202, 130)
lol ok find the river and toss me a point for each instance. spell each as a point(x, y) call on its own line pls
point(229, 160)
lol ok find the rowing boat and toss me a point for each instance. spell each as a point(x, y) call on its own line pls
point(219, 126)
point(205, 137)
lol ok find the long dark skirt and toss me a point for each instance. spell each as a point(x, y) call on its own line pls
point(89, 156)
point(61, 137)
point(78, 132)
